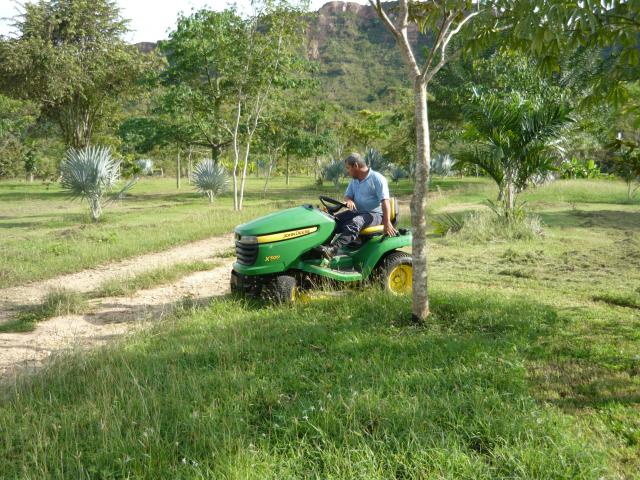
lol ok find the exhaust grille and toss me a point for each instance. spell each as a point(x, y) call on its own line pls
point(246, 253)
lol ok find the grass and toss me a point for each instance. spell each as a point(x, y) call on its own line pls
point(328, 390)
point(120, 287)
point(57, 302)
point(527, 368)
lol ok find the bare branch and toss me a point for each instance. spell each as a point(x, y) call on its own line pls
point(426, 75)
point(385, 18)
point(446, 24)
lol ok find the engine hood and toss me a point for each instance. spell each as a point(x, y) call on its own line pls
point(284, 220)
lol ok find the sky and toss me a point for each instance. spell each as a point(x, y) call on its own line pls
point(150, 20)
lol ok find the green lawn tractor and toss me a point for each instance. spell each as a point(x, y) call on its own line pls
point(277, 256)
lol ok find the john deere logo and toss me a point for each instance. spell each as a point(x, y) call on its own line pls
point(277, 237)
point(271, 258)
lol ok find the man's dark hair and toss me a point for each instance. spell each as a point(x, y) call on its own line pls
point(355, 159)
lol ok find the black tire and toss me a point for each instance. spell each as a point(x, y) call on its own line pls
point(284, 289)
point(394, 273)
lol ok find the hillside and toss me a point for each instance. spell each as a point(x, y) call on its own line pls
point(358, 59)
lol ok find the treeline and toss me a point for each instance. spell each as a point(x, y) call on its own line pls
point(245, 92)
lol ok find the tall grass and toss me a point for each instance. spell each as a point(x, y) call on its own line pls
point(342, 389)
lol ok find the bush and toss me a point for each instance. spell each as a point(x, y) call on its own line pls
point(210, 179)
point(333, 172)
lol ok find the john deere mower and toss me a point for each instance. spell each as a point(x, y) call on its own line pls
point(277, 256)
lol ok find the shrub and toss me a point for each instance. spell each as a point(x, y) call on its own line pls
point(397, 172)
point(210, 179)
point(333, 172)
point(145, 166)
point(376, 161)
point(90, 173)
point(442, 165)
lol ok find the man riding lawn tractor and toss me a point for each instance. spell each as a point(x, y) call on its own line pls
point(292, 250)
point(368, 203)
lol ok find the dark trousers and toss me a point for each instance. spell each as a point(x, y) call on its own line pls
point(349, 224)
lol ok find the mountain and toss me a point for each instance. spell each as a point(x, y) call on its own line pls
point(359, 63)
point(359, 60)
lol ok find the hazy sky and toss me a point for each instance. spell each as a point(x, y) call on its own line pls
point(149, 19)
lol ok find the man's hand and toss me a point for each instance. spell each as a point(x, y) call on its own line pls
point(389, 230)
point(350, 204)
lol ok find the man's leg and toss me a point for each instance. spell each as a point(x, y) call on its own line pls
point(348, 227)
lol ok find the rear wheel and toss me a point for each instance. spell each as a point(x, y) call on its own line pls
point(396, 273)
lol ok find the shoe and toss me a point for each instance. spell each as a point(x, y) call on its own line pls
point(327, 251)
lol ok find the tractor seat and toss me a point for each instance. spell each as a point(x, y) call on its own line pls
point(379, 229)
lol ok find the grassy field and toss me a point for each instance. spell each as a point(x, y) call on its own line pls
point(44, 234)
point(527, 368)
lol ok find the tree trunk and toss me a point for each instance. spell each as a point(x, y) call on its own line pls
point(420, 306)
point(96, 209)
point(178, 172)
point(510, 197)
point(287, 170)
point(189, 166)
point(266, 179)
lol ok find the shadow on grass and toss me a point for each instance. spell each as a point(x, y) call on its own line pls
point(341, 389)
point(614, 219)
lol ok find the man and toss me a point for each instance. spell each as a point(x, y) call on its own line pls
point(367, 198)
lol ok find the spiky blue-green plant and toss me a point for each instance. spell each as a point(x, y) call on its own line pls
point(375, 160)
point(442, 164)
point(397, 172)
point(90, 173)
point(210, 179)
point(333, 172)
point(145, 165)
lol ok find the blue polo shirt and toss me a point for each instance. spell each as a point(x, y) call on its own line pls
point(369, 192)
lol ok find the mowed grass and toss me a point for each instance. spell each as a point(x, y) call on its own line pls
point(44, 234)
point(527, 368)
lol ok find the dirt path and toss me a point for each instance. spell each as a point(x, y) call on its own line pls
point(87, 280)
point(109, 317)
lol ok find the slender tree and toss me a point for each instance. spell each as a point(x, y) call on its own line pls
point(444, 20)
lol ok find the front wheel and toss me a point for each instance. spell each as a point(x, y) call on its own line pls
point(396, 273)
point(284, 289)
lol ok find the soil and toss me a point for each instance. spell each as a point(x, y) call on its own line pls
point(109, 317)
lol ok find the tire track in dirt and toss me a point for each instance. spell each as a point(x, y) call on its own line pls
point(109, 318)
point(14, 298)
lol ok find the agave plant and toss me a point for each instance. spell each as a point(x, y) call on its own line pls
point(441, 164)
point(397, 172)
point(145, 165)
point(209, 178)
point(333, 172)
point(90, 173)
point(376, 161)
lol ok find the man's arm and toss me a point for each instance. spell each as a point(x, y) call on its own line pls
point(386, 219)
point(348, 197)
point(349, 203)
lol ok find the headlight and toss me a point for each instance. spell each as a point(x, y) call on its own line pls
point(249, 239)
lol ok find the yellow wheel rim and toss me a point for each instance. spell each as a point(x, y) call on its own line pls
point(400, 279)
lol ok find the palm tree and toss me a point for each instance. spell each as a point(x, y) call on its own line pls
point(210, 178)
point(515, 140)
point(90, 173)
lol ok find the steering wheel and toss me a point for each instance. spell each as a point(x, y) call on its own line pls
point(331, 204)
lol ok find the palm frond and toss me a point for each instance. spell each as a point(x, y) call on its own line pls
point(209, 178)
